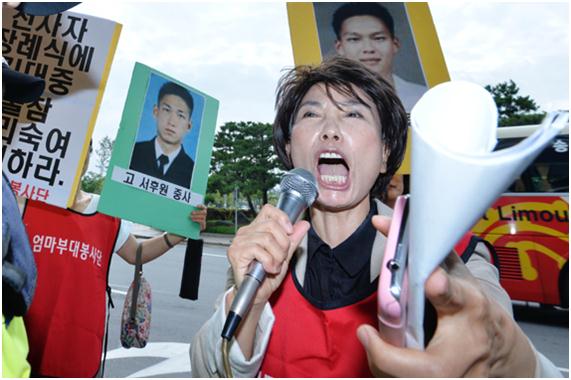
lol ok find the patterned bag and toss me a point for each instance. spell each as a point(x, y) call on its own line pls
point(136, 317)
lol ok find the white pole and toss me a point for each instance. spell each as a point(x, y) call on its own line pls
point(235, 210)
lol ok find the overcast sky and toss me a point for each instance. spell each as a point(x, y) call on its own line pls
point(234, 51)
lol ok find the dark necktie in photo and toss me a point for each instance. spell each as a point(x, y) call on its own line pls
point(163, 161)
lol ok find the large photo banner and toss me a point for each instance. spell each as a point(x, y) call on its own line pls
point(45, 143)
point(161, 158)
point(398, 41)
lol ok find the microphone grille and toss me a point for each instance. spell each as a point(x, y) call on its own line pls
point(303, 182)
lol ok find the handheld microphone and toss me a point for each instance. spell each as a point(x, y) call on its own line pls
point(298, 191)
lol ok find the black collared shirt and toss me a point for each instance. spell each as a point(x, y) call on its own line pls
point(340, 276)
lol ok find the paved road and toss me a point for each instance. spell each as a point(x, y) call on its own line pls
point(548, 330)
point(176, 320)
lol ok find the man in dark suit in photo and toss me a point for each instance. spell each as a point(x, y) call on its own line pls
point(163, 157)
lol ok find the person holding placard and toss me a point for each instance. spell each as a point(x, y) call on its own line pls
point(73, 250)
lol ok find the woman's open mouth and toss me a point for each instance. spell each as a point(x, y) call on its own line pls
point(333, 170)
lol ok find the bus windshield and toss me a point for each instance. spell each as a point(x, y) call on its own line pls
point(548, 173)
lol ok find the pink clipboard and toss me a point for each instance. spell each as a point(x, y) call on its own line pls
point(393, 280)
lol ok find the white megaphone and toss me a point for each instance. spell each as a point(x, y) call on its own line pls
point(456, 176)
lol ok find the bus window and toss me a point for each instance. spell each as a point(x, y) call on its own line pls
point(549, 173)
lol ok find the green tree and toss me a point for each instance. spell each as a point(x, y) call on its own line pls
point(93, 182)
point(513, 108)
point(104, 154)
point(243, 157)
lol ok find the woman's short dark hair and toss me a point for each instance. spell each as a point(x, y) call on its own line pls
point(343, 75)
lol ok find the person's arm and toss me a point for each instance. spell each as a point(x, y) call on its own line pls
point(246, 332)
point(206, 347)
point(475, 336)
point(151, 248)
point(488, 277)
point(271, 240)
point(157, 246)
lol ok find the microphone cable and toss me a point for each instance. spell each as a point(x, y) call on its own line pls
point(226, 358)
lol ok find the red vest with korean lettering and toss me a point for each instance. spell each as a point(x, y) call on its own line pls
point(309, 342)
point(66, 321)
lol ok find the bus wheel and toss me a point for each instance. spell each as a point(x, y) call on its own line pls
point(564, 285)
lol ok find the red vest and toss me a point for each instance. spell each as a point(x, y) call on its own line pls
point(66, 321)
point(309, 342)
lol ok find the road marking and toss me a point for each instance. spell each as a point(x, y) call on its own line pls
point(126, 287)
point(118, 292)
point(176, 355)
point(214, 255)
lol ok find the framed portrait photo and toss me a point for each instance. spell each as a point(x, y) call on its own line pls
point(397, 41)
point(168, 133)
point(159, 167)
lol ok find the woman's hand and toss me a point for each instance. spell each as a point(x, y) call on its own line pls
point(271, 240)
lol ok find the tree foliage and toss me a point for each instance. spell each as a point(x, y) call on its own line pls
point(93, 182)
point(104, 154)
point(243, 157)
point(513, 108)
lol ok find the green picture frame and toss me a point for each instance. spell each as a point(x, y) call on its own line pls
point(156, 204)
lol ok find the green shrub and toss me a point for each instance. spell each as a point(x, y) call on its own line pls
point(221, 221)
point(228, 230)
point(244, 216)
point(223, 226)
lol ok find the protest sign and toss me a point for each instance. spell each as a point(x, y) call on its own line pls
point(398, 41)
point(44, 144)
point(163, 119)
